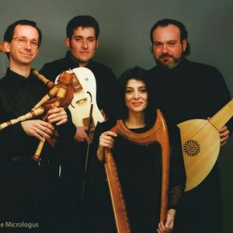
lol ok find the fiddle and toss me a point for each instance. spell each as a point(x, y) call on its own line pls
point(84, 85)
point(83, 107)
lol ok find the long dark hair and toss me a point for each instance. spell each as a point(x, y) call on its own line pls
point(121, 111)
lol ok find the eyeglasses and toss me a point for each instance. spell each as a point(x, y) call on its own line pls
point(24, 40)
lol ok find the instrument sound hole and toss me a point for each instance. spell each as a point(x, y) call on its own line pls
point(192, 148)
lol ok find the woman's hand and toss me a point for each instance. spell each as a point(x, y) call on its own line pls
point(168, 227)
point(106, 140)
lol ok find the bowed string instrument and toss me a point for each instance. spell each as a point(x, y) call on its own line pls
point(83, 107)
point(84, 100)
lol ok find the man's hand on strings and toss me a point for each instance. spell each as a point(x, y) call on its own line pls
point(38, 128)
point(57, 115)
point(81, 134)
point(106, 140)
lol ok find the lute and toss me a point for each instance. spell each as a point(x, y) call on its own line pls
point(201, 144)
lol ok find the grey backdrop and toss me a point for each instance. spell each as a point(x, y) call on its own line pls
point(124, 42)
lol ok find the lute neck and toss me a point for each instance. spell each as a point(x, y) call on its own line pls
point(222, 116)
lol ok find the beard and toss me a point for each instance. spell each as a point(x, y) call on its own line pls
point(170, 63)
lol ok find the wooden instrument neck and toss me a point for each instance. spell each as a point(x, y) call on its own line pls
point(222, 116)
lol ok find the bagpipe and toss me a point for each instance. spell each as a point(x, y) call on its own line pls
point(68, 91)
point(59, 95)
point(74, 89)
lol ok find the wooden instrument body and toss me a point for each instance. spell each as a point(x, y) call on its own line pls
point(201, 144)
point(84, 97)
point(158, 133)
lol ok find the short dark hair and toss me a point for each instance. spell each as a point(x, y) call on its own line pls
point(82, 21)
point(182, 28)
point(137, 73)
point(10, 30)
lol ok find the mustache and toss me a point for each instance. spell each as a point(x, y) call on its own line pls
point(166, 55)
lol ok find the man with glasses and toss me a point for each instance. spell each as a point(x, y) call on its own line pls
point(187, 90)
point(26, 186)
point(24, 40)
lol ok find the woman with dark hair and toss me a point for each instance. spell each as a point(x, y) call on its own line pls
point(121, 108)
point(139, 166)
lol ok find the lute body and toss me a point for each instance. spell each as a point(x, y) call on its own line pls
point(201, 144)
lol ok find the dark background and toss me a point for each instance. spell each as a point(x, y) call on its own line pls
point(124, 42)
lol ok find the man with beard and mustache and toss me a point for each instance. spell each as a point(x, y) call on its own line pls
point(187, 90)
